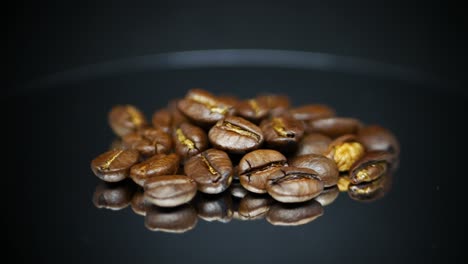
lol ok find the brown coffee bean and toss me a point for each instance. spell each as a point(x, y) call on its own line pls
point(282, 132)
point(371, 166)
point(294, 214)
point(171, 220)
point(377, 138)
point(237, 190)
point(314, 143)
point(256, 166)
point(211, 169)
point(326, 168)
point(253, 109)
point(216, 207)
point(189, 140)
point(170, 190)
point(113, 195)
point(157, 165)
point(203, 107)
point(254, 206)
point(124, 119)
point(148, 141)
point(114, 165)
point(177, 117)
point(162, 119)
point(328, 196)
point(334, 126)
point(345, 151)
point(371, 191)
point(139, 206)
point(311, 112)
point(278, 104)
point(235, 135)
point(292, 185)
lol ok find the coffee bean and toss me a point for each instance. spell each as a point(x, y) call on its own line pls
point(114, 165)
point(278, 104)
point(256, 166)
point(162, 119)
point(334, 126)
point(282, 132)
point(253, 110)
point(211, 169)
point(292, 185)
point(139, 206)
point(214, 207)
point(171, 220)
point(371, 191)
point(311, 112)
point(148, 141)
point(237, 190)
point(124, 119)
point(328, 196)
point(294, 214)
point(314, 143)
point(113, 195)
point(236, 135)
point(255, 206)
point(326, 168)
point(371, 166)
point(170, 190)
point(189, 140)
point(345, 151)
point(203, 107)
point(177, 117)
point(157, 165)
point(377, 138)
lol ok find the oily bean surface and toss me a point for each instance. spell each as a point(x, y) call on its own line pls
point(326, 168)
point(114, 165)
point(159, 164)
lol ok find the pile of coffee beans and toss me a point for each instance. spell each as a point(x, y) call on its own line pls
point(205, 143)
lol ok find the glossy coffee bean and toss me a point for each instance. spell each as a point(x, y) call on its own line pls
point(237, 190)
point(203, 107)
point(171, 220)
point(311, 112)
point(253, 110)
point(293, 185)
point(282, 132)
point(255, 167)
point(124, 119)
point(377, 138)
point(114, 165)
point(235, 135)
point(328, 196)
point(254, 206)
point(334, 126)
point(345, 151)
point(170, 190)
point(162, 119)
point(326, 168)
point(113, 195)
point(371, 191)
point(371, 166)
point(314, 143)
point(177, 117)
point(211, 169)
point(216, 207)
point(157, 165)
point(138, 204)
point(294, 214)
point(189, 140)
point(278, 104)
point(148, 141)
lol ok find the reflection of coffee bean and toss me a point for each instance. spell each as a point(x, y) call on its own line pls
point(113, 195)
point(172, 220)
point(294, 214)
point(328, 196)
point(170, 190)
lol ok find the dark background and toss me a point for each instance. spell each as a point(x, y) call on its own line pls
point(55, 131)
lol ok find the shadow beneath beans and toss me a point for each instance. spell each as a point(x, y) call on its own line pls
point(115, 195)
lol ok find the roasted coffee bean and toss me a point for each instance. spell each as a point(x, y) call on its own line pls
point(255, 206)
point(314, 143)
point(294, 214)
point(292, 185)
point(113, 195)
point(256, 166)
point(124, 119)
point(216, 207)
point(170, 190)
point(177, 117)
point(236, 135)
point(253, 110)
point(311, 112)
point(371, 191)
point(148, 141)
point(326, 168)
point(282, 132)
point(278, 104)
point(237, 190)
point(139, 206)
point(377, 138)
point(334, 126)
point(211, 169)
point(345, 151)
point(371, 166)
point(157, 165)
point(328, 196)
point(203, 107)
point(114, 165)
point(171, 220)
point(162, 119)
point(189, 140)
